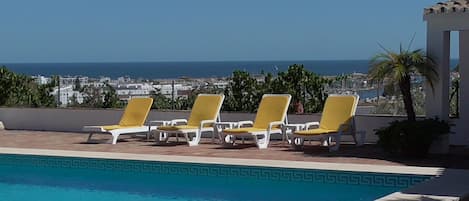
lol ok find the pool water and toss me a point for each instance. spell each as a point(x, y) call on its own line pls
point(23, 182)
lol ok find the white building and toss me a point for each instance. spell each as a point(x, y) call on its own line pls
point(70, 80)
point(125, 79)
point(442, 19)
point(167, 89)
point(41, 79)
point(104, 79)
point(220, 85)
point(66, 95)
point(127, 91)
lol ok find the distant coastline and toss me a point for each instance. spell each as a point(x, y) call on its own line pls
point(175, 70)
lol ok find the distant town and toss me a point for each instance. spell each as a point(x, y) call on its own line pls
point(126, 88)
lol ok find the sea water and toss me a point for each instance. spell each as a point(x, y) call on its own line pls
point(158, 70)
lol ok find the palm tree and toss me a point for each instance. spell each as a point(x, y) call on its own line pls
point(399, 68)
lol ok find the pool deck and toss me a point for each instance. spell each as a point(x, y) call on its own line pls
point(452, 182)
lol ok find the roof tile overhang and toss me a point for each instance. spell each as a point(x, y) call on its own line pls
point(452, 6)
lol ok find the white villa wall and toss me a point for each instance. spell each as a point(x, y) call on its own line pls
point(462, 126)
point(438, 47)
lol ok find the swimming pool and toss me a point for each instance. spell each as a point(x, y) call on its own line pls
point(28, 177)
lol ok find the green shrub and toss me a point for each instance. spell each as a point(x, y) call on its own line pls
point(411, 138)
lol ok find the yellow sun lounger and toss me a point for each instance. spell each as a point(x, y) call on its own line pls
point(132, 120)
point(270, 117)
point(204, 114)
point(337, 119)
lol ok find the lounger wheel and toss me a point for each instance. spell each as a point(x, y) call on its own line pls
point(164, 137)
point(297, 143)
point(326, 141)
point(160, 137)
point(230, 139)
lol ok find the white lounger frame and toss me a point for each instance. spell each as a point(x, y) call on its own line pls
point(262, 138)
point(115, 133)
point(297, 141)
point(164, 135)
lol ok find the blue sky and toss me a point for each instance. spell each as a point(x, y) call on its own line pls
point(205, 30)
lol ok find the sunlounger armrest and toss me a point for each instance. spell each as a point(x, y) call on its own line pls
point(204, 122)
point(243, 123)
point(275, 123)
point(92, 129)
point(177, 121)
point(225, 124)
point(309, 124)
point(159, 122)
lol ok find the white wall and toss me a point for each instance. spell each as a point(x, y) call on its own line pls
point(72, 120)
point(438, 47)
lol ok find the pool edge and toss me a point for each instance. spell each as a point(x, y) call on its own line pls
point(413, 170)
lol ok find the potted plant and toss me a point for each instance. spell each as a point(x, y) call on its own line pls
point(409, 137)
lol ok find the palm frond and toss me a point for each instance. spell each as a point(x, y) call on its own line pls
point(382, 47)
point(397, 66)
point(411, 41)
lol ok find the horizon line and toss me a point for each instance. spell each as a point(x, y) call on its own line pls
point(193, 61)
point(173, 61)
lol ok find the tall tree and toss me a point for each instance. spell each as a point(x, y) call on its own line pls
point(92, 97)
point(111, 100)
point(293, 81)
point(399, 67)
point(242, 93)
point(7, 86)
point(74, 101)
point(160, 101)
point(21, 90)
point(77, 84)
point(306, 88)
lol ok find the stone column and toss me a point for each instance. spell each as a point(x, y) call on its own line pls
point(462, 128)
point(437, 100)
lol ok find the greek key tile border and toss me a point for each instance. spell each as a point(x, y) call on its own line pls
point(215, 170)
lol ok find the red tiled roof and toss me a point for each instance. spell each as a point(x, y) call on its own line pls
point(452, 6)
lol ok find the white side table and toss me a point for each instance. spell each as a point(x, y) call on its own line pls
point(290, 129)
point(155, 124)
point(220, 126)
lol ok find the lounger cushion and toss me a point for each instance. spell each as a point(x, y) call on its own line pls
point(136, 112)
point(271, 109)
point(206, 107)
point(317, 131)
point(338, 110)
point(176, 128)
point(244, 130)
point(113, 127)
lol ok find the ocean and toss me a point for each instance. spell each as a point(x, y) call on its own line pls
point(161, 70)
